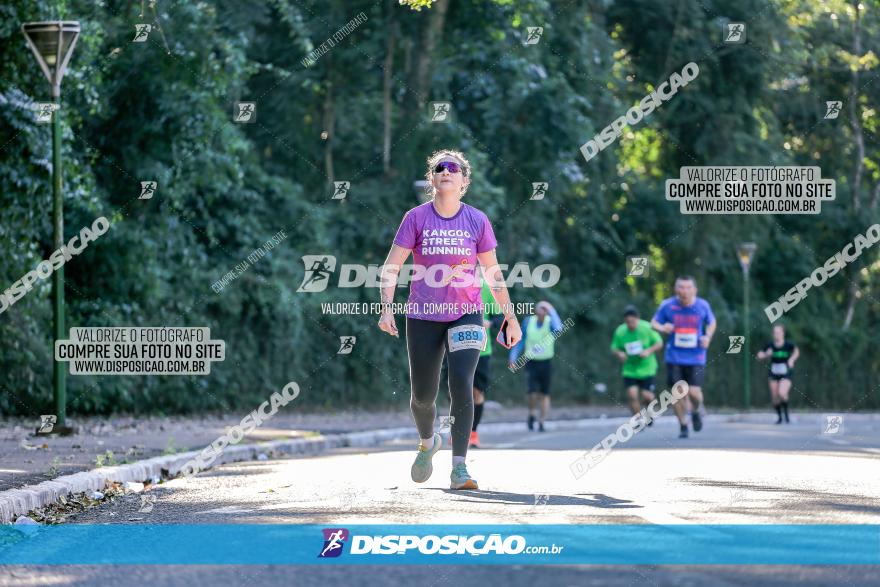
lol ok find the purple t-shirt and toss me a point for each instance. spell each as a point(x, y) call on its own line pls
point(683, 347)
point(446, 249)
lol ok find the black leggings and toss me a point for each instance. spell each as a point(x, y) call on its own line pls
point(427, 341)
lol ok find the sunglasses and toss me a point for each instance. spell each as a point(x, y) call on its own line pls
point(450, 166)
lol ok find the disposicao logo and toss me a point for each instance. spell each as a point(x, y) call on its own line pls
point(320, 268)
point(403, 544)
point(334, 540)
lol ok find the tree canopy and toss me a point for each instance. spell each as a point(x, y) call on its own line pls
point(162, 110)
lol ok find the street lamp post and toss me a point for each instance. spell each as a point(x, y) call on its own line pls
point(52, 44)
point(745, 252)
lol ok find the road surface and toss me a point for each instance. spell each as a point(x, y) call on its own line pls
point(733, 472)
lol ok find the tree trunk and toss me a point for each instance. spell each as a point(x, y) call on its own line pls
point(328, 124)
point(418, 65)
point(855, 119)
point(431, 34)
point(856, 123)
point(386, 91)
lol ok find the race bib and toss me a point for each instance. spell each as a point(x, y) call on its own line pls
point(633, 348)
point(468, 336)
point(686, 338)
point(778, 368)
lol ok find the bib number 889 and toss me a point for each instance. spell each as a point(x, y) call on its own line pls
point(469, 335)
point(466, 337)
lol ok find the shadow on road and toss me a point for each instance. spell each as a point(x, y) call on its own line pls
point(597, 500)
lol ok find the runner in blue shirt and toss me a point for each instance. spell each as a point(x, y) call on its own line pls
point(690, 323)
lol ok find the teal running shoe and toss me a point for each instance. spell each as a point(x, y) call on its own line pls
point(422, 467)
point(461, 479)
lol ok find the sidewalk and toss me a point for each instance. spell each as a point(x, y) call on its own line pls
point(27, 459)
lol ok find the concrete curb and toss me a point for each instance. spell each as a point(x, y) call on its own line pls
point(16, 502)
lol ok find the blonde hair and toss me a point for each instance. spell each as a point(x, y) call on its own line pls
point(435, 158)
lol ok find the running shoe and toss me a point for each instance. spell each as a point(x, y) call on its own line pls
point(531, 422)
point(697, 421)
point(461, 479)
point(422, 467)
point(684, 431)
point(475, 440)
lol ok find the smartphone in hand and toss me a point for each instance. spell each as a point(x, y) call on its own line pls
point(502, 335)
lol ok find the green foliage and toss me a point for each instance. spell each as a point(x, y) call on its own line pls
point(417, 4)
point(135, 112)
point(107, 459)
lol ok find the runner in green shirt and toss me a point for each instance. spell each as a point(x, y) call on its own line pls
point(492, 318)
point(635, 342)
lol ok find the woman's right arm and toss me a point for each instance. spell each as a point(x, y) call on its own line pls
point(388, 280)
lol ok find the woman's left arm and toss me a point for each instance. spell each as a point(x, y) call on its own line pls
point(493, 275)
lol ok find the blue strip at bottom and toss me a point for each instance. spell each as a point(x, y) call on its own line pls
point(233, 544)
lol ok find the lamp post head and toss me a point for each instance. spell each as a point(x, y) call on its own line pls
point(420, 186)
point(52, 44)
point(745, 252)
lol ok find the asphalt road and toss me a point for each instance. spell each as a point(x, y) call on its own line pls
point(733, 472)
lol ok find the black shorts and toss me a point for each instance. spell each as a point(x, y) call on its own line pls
point(646, 384)
point(692, 374)
point(482, 374)
point(539, 372)
point(780, 377)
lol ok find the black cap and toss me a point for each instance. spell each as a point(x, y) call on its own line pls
point(631, 311)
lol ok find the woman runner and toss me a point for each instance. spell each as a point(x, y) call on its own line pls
point(444, 315)
point(782, 355)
